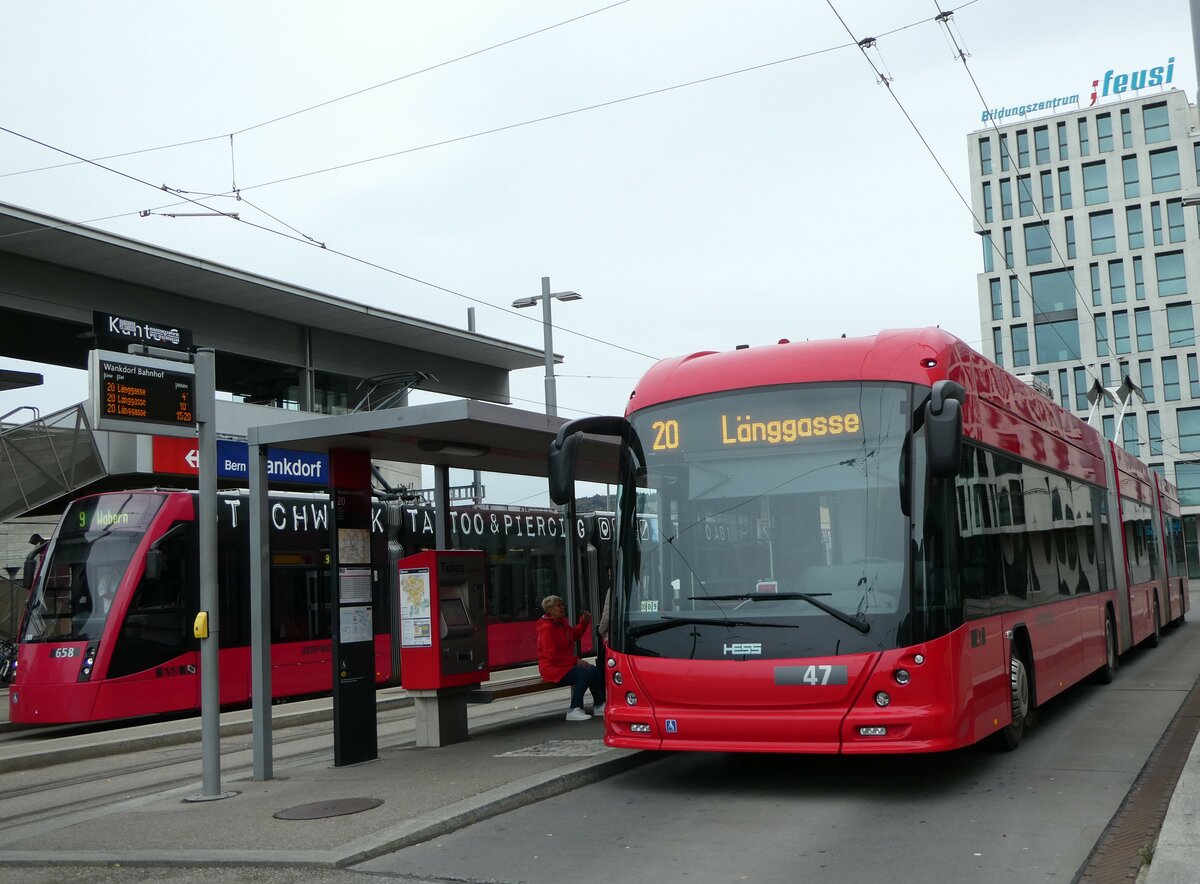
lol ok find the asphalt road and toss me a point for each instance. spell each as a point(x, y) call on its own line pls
point(976, 815)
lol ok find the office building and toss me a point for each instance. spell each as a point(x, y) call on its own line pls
point(1091, 267)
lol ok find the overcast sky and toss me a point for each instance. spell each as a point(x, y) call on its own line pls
point(792, 199)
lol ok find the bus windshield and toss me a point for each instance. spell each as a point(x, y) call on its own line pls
point(776, 524)
point(90, 554)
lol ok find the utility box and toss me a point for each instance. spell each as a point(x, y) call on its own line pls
point(443, 619)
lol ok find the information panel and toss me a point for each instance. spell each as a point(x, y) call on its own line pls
point(141, 394)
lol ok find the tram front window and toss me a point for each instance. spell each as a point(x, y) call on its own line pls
point(94, 546)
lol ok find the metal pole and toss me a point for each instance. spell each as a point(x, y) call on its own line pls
point(210, 694)
point(260, 607)
point(476, 475)
point(551, 397)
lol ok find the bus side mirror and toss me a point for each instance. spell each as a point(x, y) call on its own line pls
point(153, 569)
point(560, 468)
point(943, 428)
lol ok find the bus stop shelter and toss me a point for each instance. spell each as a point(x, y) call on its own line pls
point(464, 434)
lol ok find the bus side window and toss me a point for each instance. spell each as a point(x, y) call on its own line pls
point(157, 625)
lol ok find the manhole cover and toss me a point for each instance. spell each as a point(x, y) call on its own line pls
point(319, 810)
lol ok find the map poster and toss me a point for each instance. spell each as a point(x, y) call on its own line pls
point(354, 624)
point(416, 624)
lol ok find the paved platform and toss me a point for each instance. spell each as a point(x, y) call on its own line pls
point(520, 751)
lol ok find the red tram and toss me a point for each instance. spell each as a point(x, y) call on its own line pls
point(875, 545)
point(107, 632)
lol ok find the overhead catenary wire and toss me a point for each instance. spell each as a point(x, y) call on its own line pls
point(327, 102)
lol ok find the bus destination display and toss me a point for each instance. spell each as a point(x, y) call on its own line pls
point(148, 391)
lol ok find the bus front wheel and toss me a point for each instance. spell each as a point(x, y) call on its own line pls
point(1010, 737)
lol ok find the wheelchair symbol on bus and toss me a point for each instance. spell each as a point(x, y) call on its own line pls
point(672, 726)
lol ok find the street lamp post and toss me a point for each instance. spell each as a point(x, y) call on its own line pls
point(547, 332)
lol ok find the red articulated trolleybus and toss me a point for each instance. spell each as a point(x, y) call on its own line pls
point(877, 545)
point(107, 631)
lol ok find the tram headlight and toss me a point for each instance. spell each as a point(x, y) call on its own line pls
point(882, 698)
point(631, 698)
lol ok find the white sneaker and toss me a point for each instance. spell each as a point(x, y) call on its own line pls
point(599, 710)
point(577, 714)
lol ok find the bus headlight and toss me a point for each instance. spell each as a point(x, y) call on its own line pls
point(631, 698)
point(618, 678)
point(901, 676)
point(882, 698)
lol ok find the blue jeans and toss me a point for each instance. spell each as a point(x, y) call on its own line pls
point(583, 677)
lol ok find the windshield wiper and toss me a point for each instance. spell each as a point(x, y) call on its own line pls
point(861, 625)
point(671, 622)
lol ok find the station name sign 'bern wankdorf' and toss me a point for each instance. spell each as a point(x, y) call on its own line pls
point(1112, 83)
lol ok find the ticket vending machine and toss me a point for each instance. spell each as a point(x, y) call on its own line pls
point(442, 600)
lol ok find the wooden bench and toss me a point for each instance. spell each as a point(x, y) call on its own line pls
point(517, 687)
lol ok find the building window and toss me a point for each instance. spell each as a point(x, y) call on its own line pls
point(1146, 379)
point(1070, 225)
point(1175, 220)
point(997, 302)
point(1003, 152)
point(1037, 243)
point(1109, 424)
point(1063, 153)
point(985, 156)
point(1041, 144)
point(1023, 148)
point(1008, 248)
point(1064, 389)
point(1020, 345)
point(987, 202)
point(1084, 146)
point(1121, 332)
point(1057, 341)
point(1129, 169)
point(1104, 238)
point(1189, 428)
point(1170, 376)
point(1180, 329)
point(1129, 435)
point(1156, 222)
point(1053, 291)
point(1164, 170)
point(1172, 279)
point(1025, 195)
point(1104, 133)
point(1047, 180)
point(1095, 184)
point(998, 346)
point(1081, 388)
point(1187, 480)
point(1156, 123)
point(1116, 281)
point(1145, 332)
point(1064, 188)
point(1094, 273)
point(1193, 377)
point(1106, 375)
point(1139, 279)
point(988, 250)
point(1014, 296)
point(1005, 199)
point(1126, 129)
point(1101, 323)
point(1133, 223)
point(1154, 424)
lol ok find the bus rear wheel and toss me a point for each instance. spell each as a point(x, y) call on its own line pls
point(1009, 738)
point(1108, 671)
point(1155, 637)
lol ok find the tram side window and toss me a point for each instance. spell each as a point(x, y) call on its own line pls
point(157, 625)
point(299, 604)
point(1139, 541)
point(1175, 554)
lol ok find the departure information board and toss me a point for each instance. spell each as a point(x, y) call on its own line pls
point(141, 394)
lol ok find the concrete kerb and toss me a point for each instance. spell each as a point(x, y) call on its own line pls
point(190, 733)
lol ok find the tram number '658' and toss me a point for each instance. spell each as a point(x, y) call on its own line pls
point(61, 653)
point(813, 674)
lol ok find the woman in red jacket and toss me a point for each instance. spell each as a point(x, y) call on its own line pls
point(557, 662)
